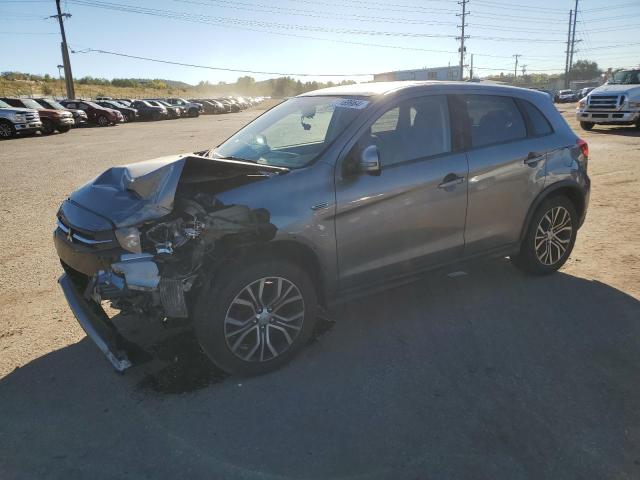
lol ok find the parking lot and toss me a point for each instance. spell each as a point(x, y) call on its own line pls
point(487, 375)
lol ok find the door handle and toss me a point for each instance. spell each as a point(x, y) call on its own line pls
point(451, 180)
point(533, 158)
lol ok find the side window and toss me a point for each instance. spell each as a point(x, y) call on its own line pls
point(416, 129)
point(71, 105)
point(494, 119)
point(539, 122)
point(388, 121)
point(83, 106)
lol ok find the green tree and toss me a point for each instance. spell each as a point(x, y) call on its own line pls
point(585, 70)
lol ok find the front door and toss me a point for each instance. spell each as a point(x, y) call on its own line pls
point(412, 214)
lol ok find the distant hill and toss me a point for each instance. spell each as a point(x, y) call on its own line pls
point(18, 83)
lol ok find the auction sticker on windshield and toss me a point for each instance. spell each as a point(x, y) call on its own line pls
point(355, 103)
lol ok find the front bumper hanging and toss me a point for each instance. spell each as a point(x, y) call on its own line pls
point(96, 324)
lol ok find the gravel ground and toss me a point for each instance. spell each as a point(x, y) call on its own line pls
point(488, 375)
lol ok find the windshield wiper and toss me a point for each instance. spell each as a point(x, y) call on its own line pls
point(231, 157)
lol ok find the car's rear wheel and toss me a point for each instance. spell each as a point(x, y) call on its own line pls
point(47, 126)
point(254, 319)
point(7, 130)
point(103, 121)
point(587, 125)
point(64, 128)
point(550, 237)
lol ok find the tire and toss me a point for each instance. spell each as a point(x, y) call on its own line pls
point(47, 126)
point(556, 211)
point(64, 128)
point(103, 121)
point(194, 113)
point(587, 125)
point(7, 130)
point(130, 117)
point(260, 338)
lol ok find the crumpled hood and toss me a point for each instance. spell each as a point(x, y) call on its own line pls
point(617, 88)
point(132, 194)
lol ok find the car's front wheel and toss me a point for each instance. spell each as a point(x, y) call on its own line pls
point(103, 121)
point(550, 237)
point(586, 125)
point(254, 318)
point(7, 130)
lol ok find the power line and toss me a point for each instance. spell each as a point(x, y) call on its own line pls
point(256, 25)
point(259, 7)
point(224, 69)
point(612, 7)
point(28, 33)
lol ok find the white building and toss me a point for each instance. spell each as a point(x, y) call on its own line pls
point(438, 73)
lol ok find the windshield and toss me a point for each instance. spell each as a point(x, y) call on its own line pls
point(626, 77)
point(27, 102)
point(565, 92)
point(293, 133)
point(4, 104)
point(55, 105)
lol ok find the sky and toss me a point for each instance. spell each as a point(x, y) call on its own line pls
point(328, 37)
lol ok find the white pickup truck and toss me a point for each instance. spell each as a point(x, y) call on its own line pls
point(18, 120)
point(617, 102)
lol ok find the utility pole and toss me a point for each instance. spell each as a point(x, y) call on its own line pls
point(462, 37)
point(566, 61)
point(68, 76)
point(471, 69)
point(573, 42)
point(515, 70)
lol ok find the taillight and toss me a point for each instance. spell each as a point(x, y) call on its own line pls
point(584, 147)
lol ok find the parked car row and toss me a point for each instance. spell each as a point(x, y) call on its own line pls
point(27, 116)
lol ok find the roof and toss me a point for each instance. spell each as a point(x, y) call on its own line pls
point(368, 89)
point(371, 89)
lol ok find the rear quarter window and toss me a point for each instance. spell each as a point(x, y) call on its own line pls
point(494, 119)
point(539, 124)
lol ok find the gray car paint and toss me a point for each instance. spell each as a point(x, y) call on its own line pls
point(400, 221)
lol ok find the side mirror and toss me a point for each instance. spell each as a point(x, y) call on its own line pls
point(369, 161)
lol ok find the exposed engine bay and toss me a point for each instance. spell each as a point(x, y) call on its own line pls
point(164, 256)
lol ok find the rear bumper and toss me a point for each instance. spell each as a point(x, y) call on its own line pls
point(607, 117)
point(95, 323)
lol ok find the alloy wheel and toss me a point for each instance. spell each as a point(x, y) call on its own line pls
point(553, 235)
point(264, 319)
point(5, 130)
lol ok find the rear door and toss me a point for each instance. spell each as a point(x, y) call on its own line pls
point(506, 169)
point(412, 214)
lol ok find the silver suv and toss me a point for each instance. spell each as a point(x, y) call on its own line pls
point(326, 195)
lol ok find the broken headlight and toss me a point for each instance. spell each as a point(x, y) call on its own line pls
point(129, 239)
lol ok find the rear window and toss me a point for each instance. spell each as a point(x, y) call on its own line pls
point(539, 122)
point(494, 119)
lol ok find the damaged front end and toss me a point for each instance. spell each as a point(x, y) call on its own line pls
point(144, 237)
